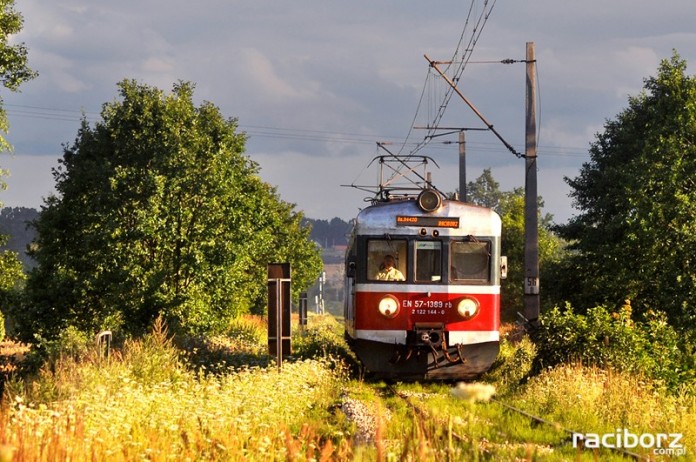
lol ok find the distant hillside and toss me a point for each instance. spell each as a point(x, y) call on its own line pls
point(14, 223)
point(329, 233)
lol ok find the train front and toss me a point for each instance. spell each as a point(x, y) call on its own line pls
point(423, 288)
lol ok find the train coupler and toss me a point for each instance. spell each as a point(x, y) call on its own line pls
point(431, 336)
point(448, 357)
point(428, 334)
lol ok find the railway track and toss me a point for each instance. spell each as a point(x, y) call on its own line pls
point(489, 431)
point(571, 433)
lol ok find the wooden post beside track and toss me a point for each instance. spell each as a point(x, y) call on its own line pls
point(279, 311)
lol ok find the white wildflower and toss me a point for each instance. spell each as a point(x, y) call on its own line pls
point(473, 392)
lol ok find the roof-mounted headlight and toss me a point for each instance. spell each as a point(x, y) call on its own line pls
point(429, 200)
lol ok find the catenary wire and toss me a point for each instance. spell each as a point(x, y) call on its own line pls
point(306, 135)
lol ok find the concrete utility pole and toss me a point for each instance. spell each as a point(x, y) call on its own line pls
point(462, 166)
point(531, 220)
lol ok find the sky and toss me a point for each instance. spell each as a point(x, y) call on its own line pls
point(316, 84)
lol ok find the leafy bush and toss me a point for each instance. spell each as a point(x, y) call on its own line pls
point(605, 339)
point(323, 337)
point(243, 345)
point(249, 330)
point(220, 355)
point(514, 362)
point(71, 343)
point(154, 359)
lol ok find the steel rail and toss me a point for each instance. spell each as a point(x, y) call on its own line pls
point(422, 414)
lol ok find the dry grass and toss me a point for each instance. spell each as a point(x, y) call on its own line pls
point(11, 354)
point(589, 399)
point(146, 403)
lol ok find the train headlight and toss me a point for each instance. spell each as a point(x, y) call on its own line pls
point(468, 308)
point(429, 200)
point(389, 306)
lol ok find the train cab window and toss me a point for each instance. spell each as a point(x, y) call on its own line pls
point(470, 261)
point(428, 261)
point(386, 259)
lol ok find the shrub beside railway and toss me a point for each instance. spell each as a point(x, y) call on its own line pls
point(649, 347)
point(226, 400)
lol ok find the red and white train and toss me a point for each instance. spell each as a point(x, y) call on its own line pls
point(436, 314)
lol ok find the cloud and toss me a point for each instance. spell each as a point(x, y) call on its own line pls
point(59, 73)
point(265, 80)
point(158, 65)
point(316, 84)
point(315, 185)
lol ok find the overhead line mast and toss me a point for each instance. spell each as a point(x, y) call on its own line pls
point(531, 244)
point(531, 220)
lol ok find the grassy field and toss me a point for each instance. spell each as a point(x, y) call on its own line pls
point(224, 399)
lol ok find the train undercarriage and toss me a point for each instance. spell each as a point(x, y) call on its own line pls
point(425, 356)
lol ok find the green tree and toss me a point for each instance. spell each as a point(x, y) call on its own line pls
point(14, 71)
point(635, 236)
point(329, 233)
point(158, 212)
point(485, 191)
point(11, 280)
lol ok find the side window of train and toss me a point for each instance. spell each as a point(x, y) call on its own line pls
point(386, 259)
point(428, 261)
point(470, 261)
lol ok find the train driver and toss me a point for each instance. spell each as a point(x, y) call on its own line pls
point(388, 272)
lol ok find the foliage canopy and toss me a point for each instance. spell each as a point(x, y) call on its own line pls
point(635, 236)
point(649, 346)
point(158, 212)
point(485, 191)
point(14, 71)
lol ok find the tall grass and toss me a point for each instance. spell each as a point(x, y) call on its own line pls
point(594, 400)
point(146, 404)
point(224, 399)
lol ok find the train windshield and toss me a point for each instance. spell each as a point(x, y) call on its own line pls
point(386, 259)
point(428, 261)
point(470, 261)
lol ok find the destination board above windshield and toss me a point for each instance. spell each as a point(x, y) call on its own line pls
point(434, 222)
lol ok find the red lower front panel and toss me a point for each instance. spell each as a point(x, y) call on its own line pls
point(426, 307)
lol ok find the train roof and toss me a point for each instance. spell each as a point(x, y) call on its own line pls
point(452, 218)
